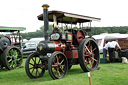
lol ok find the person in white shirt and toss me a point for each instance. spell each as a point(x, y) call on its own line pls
point(111, 49)
point(113, 44)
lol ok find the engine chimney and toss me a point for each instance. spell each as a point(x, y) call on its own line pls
point(45, 17)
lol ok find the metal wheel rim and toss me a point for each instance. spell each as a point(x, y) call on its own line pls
point(90, 55)
point(35, 66)
point(14, 58)
point(58, 66)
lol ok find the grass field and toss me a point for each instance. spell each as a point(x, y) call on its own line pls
point(109, 74)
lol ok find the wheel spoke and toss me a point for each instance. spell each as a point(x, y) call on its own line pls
point(53, 69)
point(14, 53)
point(90, 64)
point(10, 52)
point(59, 73)
point(87, 62)
point(41, 66)
point(53, 61)
point(63, 65)
point(62, 69)
point(9, 60)
point(87, 49)
point(31, 64)
point(57, 59)
point(93, 49)
point(89, 45)
point(85, 59)
point(14, 64)
point(93, 59)
point(86, 55)
point(61, 61)
point(90, 48)
point(39, 61)
point(10, 64)
point(33, 60)
point(32, 70)
point(54, 65)
point(36, 71)
point(18, 59)
point(9, 56)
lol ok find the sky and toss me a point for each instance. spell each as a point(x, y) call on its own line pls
point(23, 13)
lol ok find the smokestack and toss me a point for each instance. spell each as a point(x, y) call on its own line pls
point(45, 17)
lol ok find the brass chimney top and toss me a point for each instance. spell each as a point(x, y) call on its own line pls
point(45, 6)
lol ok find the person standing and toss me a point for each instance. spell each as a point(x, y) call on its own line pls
point(105, 49)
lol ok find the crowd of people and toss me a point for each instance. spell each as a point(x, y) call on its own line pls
point(110, 47)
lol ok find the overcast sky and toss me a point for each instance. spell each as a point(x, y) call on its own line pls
point(23, 13)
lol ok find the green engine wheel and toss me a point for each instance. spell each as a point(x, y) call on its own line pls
point(34, 66)
point(12, 57)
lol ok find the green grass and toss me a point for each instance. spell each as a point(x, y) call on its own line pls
point(101, 55)
point(109, 74)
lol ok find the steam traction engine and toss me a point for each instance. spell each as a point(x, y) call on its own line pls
point(63, 49)
point(10, 45)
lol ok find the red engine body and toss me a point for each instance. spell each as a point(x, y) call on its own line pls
point(68, 44)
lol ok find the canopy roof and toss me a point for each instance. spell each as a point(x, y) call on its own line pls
point(64, 17)
point(11, 29)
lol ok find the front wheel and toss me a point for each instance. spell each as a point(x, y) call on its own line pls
point(34, 66)
point(88, 55)
point(12, 57)
point(57, 65)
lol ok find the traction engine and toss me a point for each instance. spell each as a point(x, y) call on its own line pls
point(61, 50)
point(10, 48)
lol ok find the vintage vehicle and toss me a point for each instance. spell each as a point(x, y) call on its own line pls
point(30, 46)
point(10, 45)
point(62, 49)
point(102, 38)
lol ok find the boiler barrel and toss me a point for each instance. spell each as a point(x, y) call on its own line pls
point(45, 47)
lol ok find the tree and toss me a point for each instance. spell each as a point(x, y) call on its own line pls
point(95, 31)
point(50, 29)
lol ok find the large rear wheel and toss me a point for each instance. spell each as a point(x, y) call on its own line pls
point(88, 55)
point(57, 65)
point(34, 66)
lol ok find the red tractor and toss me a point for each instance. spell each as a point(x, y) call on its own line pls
point(61, 50)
